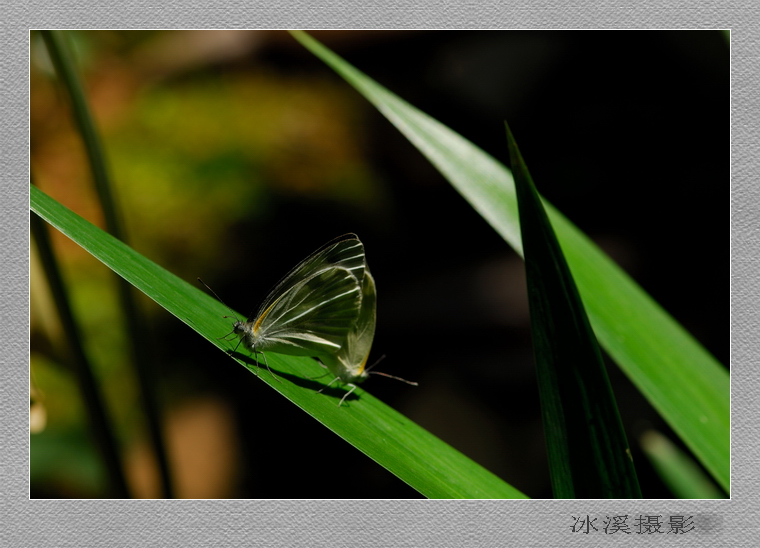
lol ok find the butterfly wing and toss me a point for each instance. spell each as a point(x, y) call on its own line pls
point(349, 362)
point(312, 309)
point(345, 251)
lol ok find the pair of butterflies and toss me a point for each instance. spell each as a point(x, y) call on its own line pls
point(325, 308)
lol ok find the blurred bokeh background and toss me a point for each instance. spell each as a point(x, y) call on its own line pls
point(237, 153)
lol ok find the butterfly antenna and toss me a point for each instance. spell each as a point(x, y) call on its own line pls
point(381, 358)
point(394, 377)
point(218, 298)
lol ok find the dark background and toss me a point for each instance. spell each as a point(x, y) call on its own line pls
point(621, 131)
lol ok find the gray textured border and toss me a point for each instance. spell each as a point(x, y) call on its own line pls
point(381, 523)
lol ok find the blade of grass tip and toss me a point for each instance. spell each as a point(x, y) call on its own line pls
point(142, 357)
point(589, 456)
point(97, 415)
point(650, 347)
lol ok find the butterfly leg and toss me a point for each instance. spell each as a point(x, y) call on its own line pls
point(353, 387)
point(327, 386)
point(270, 371)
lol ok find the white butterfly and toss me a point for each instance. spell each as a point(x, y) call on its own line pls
point(325, 308)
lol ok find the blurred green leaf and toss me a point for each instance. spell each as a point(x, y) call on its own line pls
point(679, 471)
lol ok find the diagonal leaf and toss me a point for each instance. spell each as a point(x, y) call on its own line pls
point(589, 456)
point(687, 386)
point(414, 455)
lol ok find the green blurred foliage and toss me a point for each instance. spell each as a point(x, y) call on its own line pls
point(194, 155)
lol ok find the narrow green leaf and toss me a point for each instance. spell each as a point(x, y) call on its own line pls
point(687, 386)
point(414, 455)
point(60, 54)
point(101, 424)
point(589, 456)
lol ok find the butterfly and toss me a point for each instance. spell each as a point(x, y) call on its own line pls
point(325, 307)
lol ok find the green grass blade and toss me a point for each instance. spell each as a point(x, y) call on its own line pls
point(417, 457)
point(589, 455)
point(686, 385)
point(101, 424)
point(142, 360)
